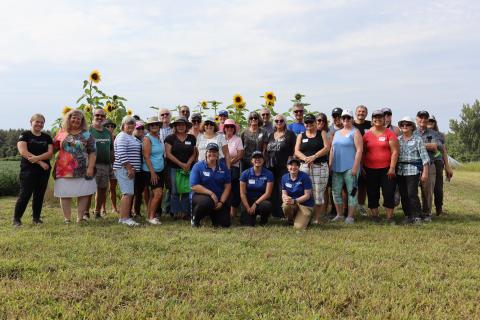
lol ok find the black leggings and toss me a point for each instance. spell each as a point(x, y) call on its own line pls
point(31, 183)
point(263, 210)
point(139, 187)
point(377, 178)
point(438, 189)
point(408, 187)
point(202, 206)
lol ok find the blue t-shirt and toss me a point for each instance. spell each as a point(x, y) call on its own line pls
point(213, 180)
point(296, 188)
point(256, 185)
point(157, 152)
point(296, 127)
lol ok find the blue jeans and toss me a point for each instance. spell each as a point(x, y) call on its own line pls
point(179, 203)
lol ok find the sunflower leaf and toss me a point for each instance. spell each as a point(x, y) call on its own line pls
point(85, 83)
point(79, 99)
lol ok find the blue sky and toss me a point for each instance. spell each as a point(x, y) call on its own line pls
point(407, 55)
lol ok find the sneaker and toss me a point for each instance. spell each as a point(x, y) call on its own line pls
point(98, 215)
point(428, 218)
point(37, 221)
point(315, 222)
point(17, 223)
point(417, 221)
point(67, 221)
point(362, 210)
point(86, 215)
point(349, 220)
point(129, 222)
point(338, 218)
point(85, 218)
point(154, 221)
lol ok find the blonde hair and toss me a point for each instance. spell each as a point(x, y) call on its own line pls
point(37, 116)
point(69, 115)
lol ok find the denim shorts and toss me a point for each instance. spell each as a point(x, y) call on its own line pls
point(125, 183)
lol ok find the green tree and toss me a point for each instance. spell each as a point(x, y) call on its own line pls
point(464, 141)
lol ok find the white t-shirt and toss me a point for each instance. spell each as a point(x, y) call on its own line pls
point(202, 142)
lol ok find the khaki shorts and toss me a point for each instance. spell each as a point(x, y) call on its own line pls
point(300, 215)
point(102, 176)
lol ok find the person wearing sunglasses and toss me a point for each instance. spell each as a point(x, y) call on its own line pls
point(104, 160)
point(412, 168)
point(210, 134)
point(362, 124)
point(345, 157)
point(164, 116)
point(297, 126)
point(235, 150)
point(267, 124)
point(196, 124)
point(280, 147)
point(165, 130)
point(254, 138)
point(184, 112)
point(222, 117)
point(111, 126)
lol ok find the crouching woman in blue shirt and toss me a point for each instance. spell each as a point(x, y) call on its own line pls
point(256, 185)
point(297, 195)
point(210, 183)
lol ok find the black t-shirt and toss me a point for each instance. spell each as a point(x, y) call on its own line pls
point(182, 150)
point(363, 126)
point(278, 151)
point(310, 146)
point(36, 145)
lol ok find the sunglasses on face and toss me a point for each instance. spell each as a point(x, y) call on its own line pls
point(184, 111)
point(99, 116)
point(309, 122)
point(405, 124)
point(320, 120)
point(298, 111)
point(110, 126)
point(229, 127)
point(196, 121)
point(265, 114)
point(279, 121)
point(164, 114)
point(207, 124)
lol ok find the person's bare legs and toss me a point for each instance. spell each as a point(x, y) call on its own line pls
point(125, 206)
point(317, 213)
point(82, 205)
point(66, 204)
point(154, 202)
point(113, 194)
point(100, 199)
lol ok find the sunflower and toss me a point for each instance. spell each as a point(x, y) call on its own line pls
point(95, 76)
point(129, 112)
point(240, 106)
point(88, 108)
point(270, 96)
point(217, 119)
point(238, 100)
point(204, 104)
point(66, 110)
point(109, 107)
point(298, 96)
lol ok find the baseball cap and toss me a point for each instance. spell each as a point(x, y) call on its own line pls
point(223, 113)
point(423, 113)
point(212, 146)
point(336, 112)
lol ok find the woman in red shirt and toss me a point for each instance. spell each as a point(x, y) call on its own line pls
point(380, 157)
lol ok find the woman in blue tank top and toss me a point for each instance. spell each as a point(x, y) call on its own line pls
point(345, 156)
point(152, 167)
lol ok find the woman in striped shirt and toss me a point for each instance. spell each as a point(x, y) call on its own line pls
point(128, 160)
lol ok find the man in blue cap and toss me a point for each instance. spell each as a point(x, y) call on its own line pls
point(222, 116)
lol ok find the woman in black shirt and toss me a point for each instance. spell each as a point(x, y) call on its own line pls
point(36, 149)
point(311, 148)
point(280, 147)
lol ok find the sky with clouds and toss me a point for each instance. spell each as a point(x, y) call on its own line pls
point(407, 55)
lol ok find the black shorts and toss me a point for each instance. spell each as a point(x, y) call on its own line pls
point(160, 182)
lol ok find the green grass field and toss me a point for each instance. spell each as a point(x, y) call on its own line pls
point(103, 270)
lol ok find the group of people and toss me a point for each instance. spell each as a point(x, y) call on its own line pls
point(193, 167)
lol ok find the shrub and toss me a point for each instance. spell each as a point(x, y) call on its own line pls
point(9, 181)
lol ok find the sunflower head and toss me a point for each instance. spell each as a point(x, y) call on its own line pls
point(270, 96)
point(95, 76)
point(237, 100)
point(298, 96)
point(204, 104)
point(65, 110)
point(109, 107)
point(130, 112)
point(217, 118)
point(88, 108)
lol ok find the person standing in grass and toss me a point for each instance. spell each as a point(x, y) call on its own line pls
point(196, 124)
point(75, 164)
point(235, 150)
point(211, 134)
point(362, 125)
point(104, 146)
point(210, 183)
point(152, 167)
point(253, 138)
point(280, 147)
point(345, 157)
point(128, 161)
point(36, 148)
point(297, 126)
point(297, 196)
point(412, 168)
point(141, 192)
point(110, 126)
point(256, 185)
point(380, 155)
point(181, 152)
point(312, 147)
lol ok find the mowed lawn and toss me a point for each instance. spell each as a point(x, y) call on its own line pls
point(103, 270)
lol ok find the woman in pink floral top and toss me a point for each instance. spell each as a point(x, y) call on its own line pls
point(74, 166)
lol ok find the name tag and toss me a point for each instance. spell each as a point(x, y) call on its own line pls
point(410, 143)
point(206, 173)
point(260, 136)
point(288, 185)
point(305, 140)
point(188, 143)
point(251, 181)
point(381, 139)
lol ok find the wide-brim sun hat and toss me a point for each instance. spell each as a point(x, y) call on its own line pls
point(180, 120)
point(407, 119)
point(153, 120)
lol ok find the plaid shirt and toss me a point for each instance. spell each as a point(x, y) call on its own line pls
point(165, 132)
point(412, 150)
point(431, 136)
